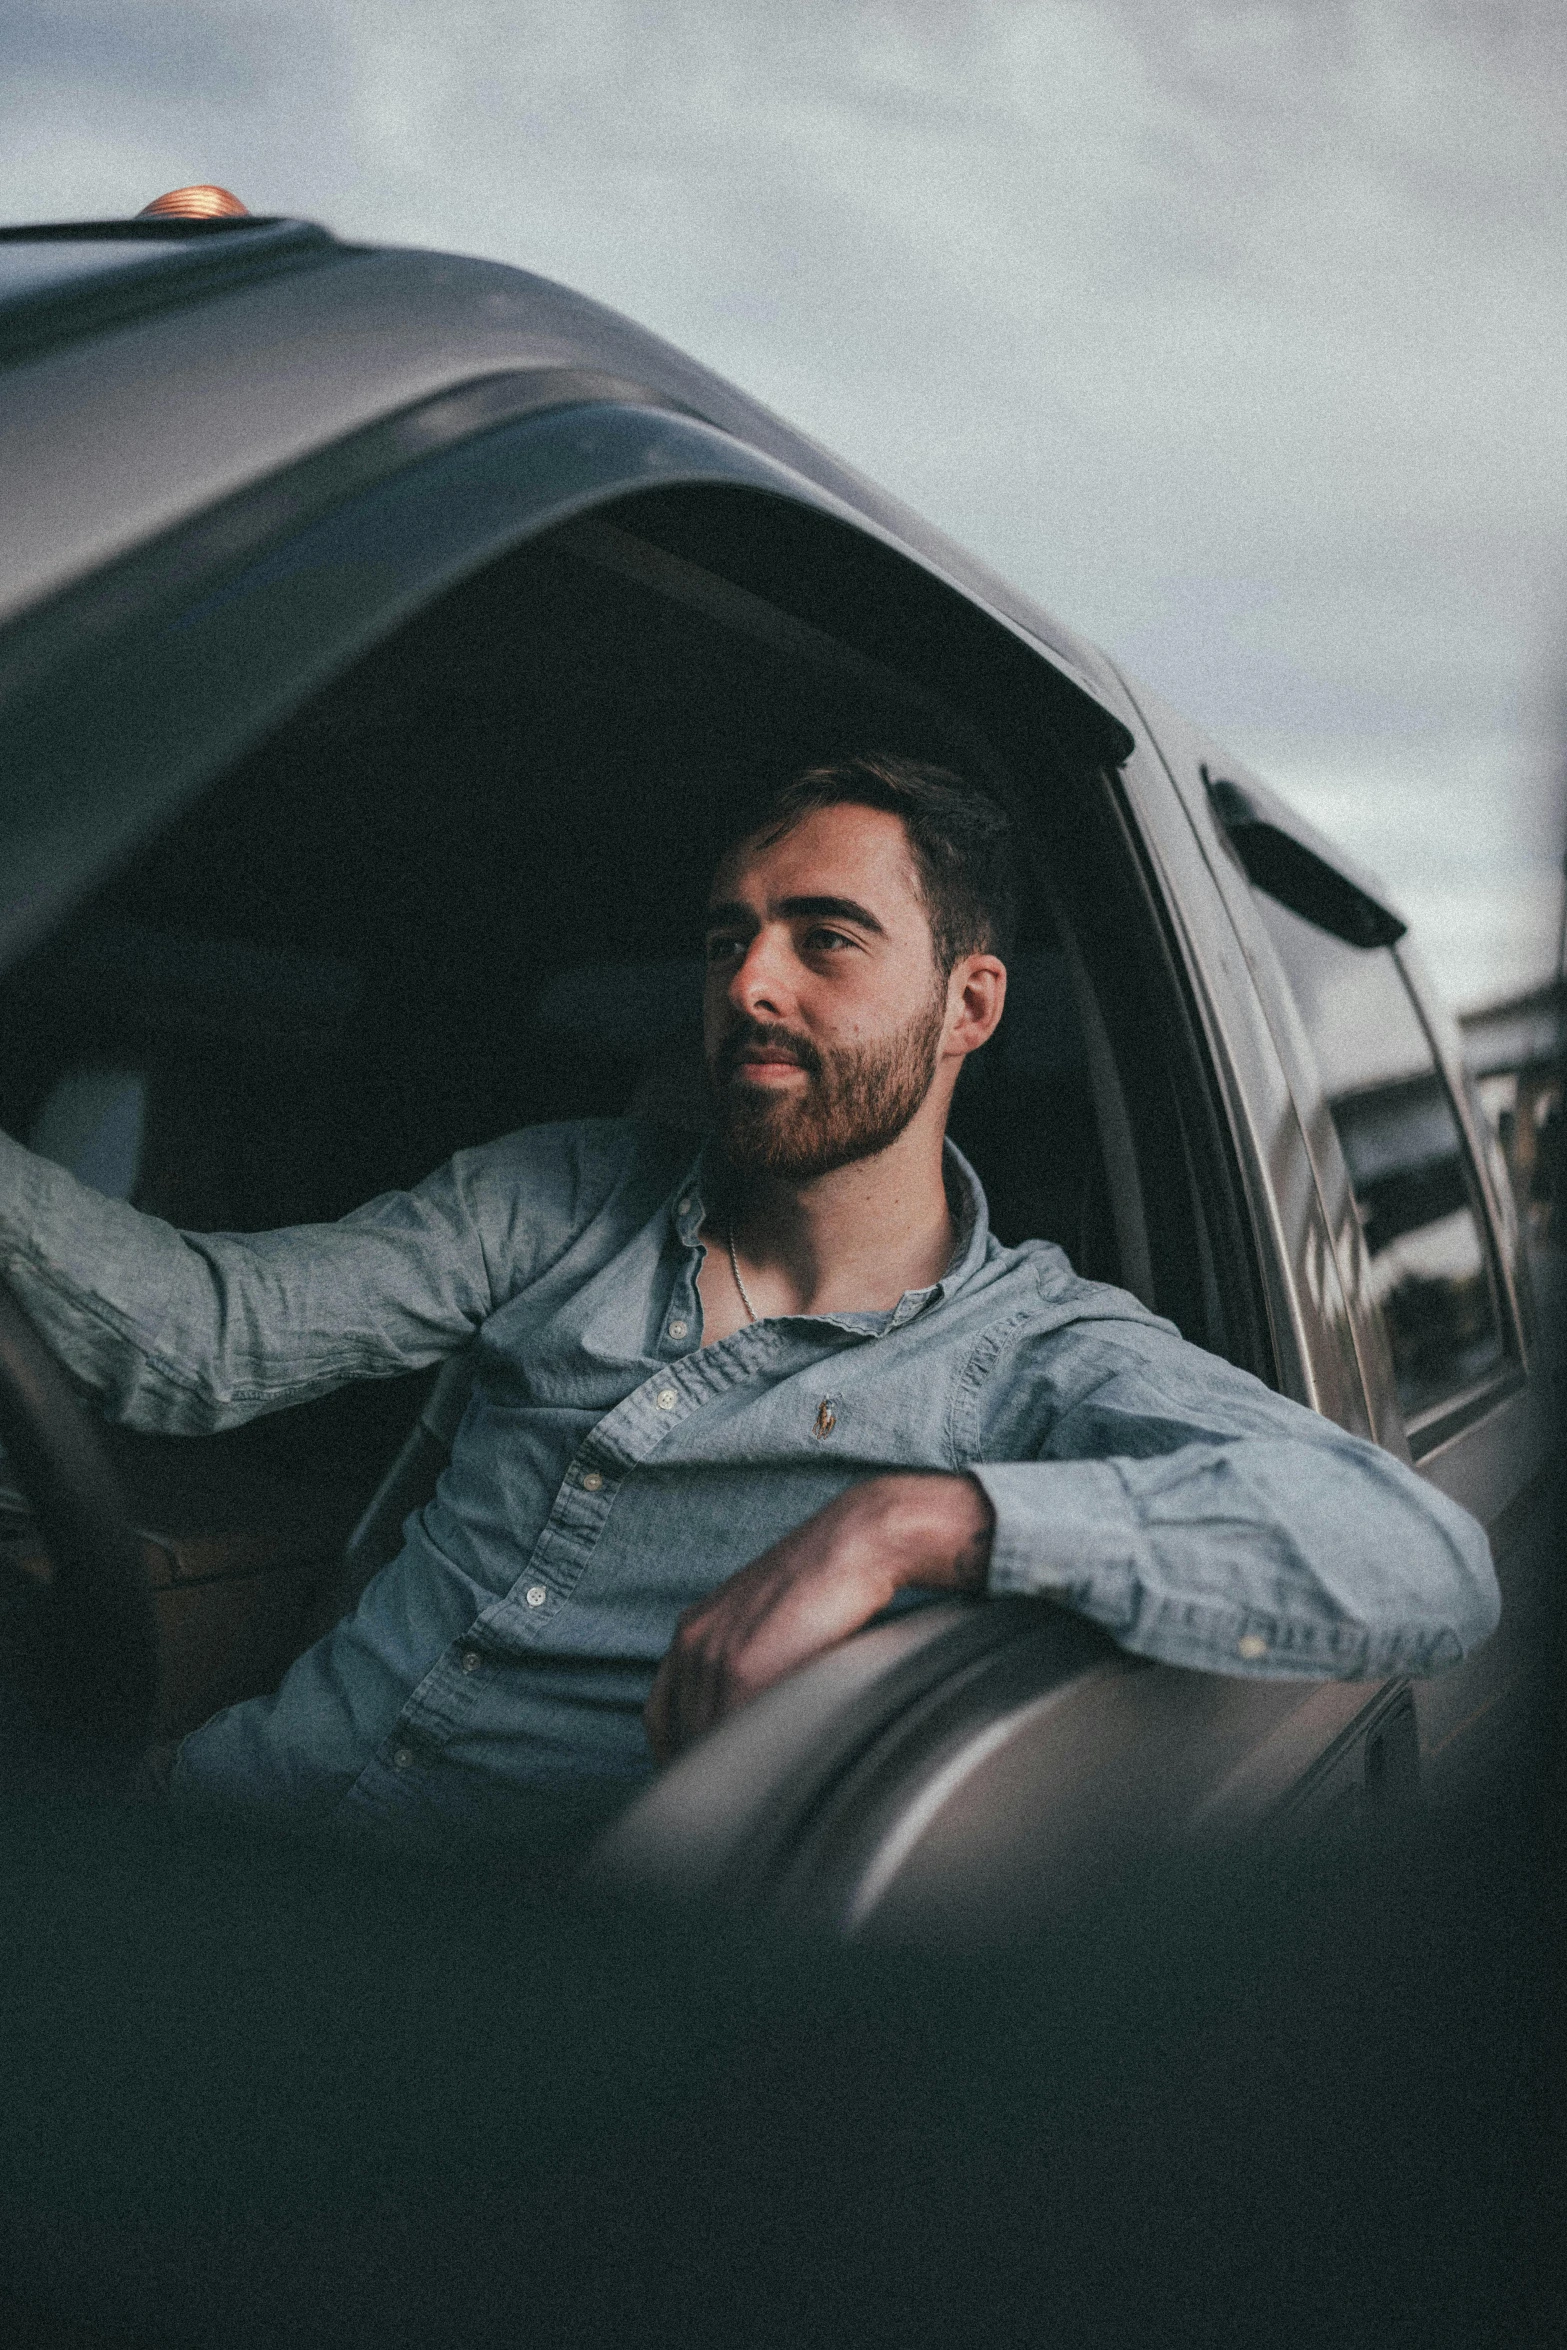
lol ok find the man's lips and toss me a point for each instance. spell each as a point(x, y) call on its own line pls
point(761, 1060)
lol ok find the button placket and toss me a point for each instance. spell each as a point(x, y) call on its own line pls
point(522, 1618)
point(437, 1707)
point(627, 1436)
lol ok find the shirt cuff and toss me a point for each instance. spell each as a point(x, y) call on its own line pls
point(1059, 1525)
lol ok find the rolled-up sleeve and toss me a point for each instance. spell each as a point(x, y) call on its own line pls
point(1207, 1522)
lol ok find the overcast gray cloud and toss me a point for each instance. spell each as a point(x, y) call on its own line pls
point(1233, 332)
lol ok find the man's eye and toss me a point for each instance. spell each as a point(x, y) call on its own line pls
point(719, 947)
point(816, 939)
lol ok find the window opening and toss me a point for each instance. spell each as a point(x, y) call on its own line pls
point(453, 895)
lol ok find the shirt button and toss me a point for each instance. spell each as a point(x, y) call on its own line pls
point(592, 1482)
point(1251, 1645)
point(684, 1208)
point(536, 1595)
point(666, 1399)
point(678, 1329)
point(402, 1756)
point(469, 1660)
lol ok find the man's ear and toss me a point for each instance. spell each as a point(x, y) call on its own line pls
point(976, 999)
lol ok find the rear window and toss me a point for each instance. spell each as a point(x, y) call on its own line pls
point(1430, 1273)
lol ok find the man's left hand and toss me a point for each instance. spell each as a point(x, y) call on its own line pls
point(812, 1589)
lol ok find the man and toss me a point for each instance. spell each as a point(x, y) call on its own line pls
point(724, 1412)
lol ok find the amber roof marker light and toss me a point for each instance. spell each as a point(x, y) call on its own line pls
point(197, 203)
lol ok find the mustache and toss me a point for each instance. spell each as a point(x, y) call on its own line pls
point(751, 1033)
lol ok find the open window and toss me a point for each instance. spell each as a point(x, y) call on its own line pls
point(460, 890)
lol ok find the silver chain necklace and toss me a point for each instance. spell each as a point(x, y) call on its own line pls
point(734, 1267)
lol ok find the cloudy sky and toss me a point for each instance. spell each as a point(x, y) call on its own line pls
point(1234, 332)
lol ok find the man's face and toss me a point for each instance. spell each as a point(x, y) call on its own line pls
point(824, 1008)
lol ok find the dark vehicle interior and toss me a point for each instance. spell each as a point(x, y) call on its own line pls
point(461, 891)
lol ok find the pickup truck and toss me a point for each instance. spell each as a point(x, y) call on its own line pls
point(381, 632)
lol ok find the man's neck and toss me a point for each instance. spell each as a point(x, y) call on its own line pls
point(853, 1241)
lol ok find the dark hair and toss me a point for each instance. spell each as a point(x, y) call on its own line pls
point(961, 841)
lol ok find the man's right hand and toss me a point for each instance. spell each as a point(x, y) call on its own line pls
point(811, 1590)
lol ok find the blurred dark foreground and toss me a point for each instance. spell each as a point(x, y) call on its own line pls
point(260, 2091)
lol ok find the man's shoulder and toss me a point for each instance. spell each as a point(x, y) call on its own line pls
point(1034, 1285)
point(533, 1194)
point(567, 1174)
point(575, 1147)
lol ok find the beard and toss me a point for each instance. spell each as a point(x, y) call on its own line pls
point(853, 1104)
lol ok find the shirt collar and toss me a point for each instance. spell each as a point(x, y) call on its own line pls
point(703, 1182)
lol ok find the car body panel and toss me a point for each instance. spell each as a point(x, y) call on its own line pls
point(1504, 1468)
point(1494, 1464)
point(964, 1773)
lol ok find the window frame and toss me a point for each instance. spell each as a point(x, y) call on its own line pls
point(122, 698)
point(1198, 1171)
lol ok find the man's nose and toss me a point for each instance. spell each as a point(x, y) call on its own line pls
point(762, 988)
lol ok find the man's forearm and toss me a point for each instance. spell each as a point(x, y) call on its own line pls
point(186, 1333)
point(907, 1529)
point(1263, 1557)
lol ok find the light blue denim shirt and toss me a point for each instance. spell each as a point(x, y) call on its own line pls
point(610, 1468)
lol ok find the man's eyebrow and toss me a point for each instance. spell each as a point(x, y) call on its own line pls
point(732, 913)
point(832, 910)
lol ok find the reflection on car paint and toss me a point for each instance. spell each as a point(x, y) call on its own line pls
point(1427, 1275)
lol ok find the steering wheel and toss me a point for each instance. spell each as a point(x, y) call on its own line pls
point(88, 1659)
